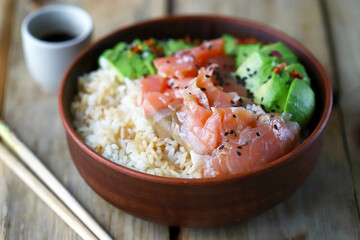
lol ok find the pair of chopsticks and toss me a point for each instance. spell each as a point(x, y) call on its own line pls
point(58, 199)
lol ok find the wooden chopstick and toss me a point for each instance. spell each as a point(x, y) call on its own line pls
point(49, 180)
point(48, 197)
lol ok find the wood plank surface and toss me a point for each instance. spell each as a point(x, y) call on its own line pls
point(325, 206)
point(342, 16)
point(33, 115)
point(6, 20)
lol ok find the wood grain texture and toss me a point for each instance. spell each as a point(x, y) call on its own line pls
point(6, 20)
point(325, 206)
point(33, 115)
point(346, 37)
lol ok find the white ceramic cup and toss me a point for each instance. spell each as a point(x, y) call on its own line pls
point(47, 54)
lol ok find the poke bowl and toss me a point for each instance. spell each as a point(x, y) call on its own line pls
point(204, 201)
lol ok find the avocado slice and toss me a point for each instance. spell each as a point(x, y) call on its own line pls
point(243, 51)
point(280, 51)
point(230, 44)
point(299, 68)
point(251, 67)
point(171, 46)
point(272, 95)
point(127, 62)
point(300, 102)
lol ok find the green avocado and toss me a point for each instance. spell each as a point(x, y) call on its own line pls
point(128, 63)
point(171, 46)
point(272, 94)
point(286, 55)
point(245, 50)
point(300, 102)
point(230, 44)
point(299, 68)
point(250, 69)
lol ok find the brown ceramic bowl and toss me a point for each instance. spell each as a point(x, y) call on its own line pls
point(196, 202)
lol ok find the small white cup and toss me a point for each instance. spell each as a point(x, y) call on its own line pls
point(47, 54)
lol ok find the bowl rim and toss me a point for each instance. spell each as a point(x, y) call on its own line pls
point(212, 180)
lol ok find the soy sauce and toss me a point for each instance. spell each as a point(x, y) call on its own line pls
point(57, 37)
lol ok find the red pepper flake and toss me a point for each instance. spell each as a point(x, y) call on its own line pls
point(294, 74)
point(277, 70)
point(280, 67)
point(187, 39)
point(275, 54)
point(248, 41)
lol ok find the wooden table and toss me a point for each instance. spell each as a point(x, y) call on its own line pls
point(325, 207)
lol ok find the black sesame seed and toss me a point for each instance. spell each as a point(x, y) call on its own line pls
point(186, 87)
point(272, 115)
point(269, 77)
point(167, 61)
point(279, 75)
point(209, 47)
point(258, 134)
point(171, 84)
point(250, 75)
point(244, 78)
point(262, 98)
point(190, 93)
point(277, 106)
point(176, 87)
point(238, 153)
point(203, 89)
point(208, 76)
point(240, 100)
point(234, 115)
point(239, 147)
point(287, 82)
point(262, 106)
point(275, 126)
point(210, 68)
point(232, 131)
point(255, 72)
point(197, 66)
point(227, 140)
point(226, 133)
point(248, 69)
point(232, 102)
point(221, 147)
point(144, 75)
